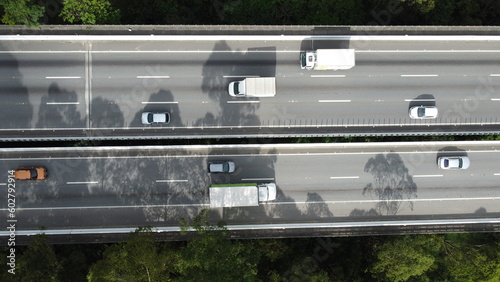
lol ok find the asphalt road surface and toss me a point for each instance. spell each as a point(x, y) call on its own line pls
point(98, 86)
point(107, 187)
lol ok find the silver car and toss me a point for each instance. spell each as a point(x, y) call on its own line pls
point(224, 167)
point(453, 162)
point(423, 112)
point(152, 118)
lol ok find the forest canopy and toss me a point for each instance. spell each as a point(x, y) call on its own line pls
point(252, 12)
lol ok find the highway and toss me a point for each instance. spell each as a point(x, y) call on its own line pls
point(126, 187)
point(77, 87)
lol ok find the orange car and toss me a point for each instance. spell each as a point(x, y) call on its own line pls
point(30, 173)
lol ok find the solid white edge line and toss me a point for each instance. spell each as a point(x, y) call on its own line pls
point(340, 202)
point(171, 180)
point(152, 37)
point(63, 103)
point(84, 182)
point(242, 155)
point(428, 175)
point(248, 51)
point(153, 76)
point(330, 146)
point(335, 125)
point(263, 226)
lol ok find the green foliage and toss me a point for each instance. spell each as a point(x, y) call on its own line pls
point(73, 264)
point(138, 259)
point(151, 12)
point(21, 12)
point(404, 257)
point(38, 262)
point(468, 257)
point(210, 256)
point(89, 12)
point(423, 6)
point(320, 12)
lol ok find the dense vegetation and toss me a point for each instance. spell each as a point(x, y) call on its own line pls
point(209, 256)
point(253, 12)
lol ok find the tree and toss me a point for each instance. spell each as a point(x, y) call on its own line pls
point(38, 262)
point(423, 6)
point(472, 257)
point(138, 259)
point(90, 12)
point(210, 256)
point(22, 12)
point(403, 257)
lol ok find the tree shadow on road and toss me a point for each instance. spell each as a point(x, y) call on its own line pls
point(392, 185)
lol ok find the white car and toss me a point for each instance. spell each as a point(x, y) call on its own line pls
point(152, 118)
point(224, 167)
point(423, 112)
point(453, 162)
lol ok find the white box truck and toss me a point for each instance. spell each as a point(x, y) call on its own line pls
point(327, 59)
point(241, 195)
point(253, 87)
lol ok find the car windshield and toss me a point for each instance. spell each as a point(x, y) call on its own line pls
point(235, 86)
point(421, 112)
point(460, 163)
point(446, 163)
point(225, 167)
point(33, 174)
point(303, 59)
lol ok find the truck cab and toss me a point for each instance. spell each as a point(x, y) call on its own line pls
point(307, 60)
point(267, 192)
point(237, 88)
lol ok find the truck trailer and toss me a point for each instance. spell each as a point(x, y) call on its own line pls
point(253, 87)
point(327, 59)
point(241, 195)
